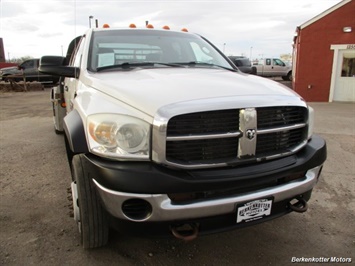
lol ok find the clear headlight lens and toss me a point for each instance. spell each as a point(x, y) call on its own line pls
point(310, 122)
point(120, 136)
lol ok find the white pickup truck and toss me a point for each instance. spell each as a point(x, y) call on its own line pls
point(273, 67)
point(165, 136)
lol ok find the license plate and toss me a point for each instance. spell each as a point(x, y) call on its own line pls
point(254, 210)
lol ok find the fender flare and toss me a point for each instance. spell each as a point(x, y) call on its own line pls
point(75, 133)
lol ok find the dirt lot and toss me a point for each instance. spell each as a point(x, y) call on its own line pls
point(36, 228)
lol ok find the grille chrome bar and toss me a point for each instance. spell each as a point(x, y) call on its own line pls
point(210, 136)
point(278, 129)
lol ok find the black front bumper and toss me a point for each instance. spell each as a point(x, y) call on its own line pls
point(149, 178)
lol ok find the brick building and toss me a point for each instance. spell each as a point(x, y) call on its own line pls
point(324, 55)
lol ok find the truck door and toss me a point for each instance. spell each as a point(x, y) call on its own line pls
point(268, 67)
point(279, 67)
point(70, 84)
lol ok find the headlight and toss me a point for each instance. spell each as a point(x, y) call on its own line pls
point(119, 136)
point(310, 122)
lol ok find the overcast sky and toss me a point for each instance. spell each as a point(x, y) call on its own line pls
point(239, 27)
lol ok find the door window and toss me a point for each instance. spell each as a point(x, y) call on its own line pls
point(348, 65)
point(28, 64)
point(278, 62)
point(76, 57)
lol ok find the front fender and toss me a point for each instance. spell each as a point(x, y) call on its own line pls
point(75, 133)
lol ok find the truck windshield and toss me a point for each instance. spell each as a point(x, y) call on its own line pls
point(138, 47)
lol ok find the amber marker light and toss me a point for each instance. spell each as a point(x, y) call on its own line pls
point(132, 26)
point(105, 26)
point(184, 29)
point(150, 26)
point(166, 27)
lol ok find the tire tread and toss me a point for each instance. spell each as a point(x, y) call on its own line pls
point(94, 221)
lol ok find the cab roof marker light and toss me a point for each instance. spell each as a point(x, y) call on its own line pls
point(132, 26)
point(105, 26)
point(166, 27)
point(150, 26)
point(184, 29)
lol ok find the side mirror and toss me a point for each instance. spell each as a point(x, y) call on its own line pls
point(57, 66)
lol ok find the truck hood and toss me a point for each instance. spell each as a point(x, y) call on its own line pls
point(149, 89)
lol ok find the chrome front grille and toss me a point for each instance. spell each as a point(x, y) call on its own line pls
point(231, 136)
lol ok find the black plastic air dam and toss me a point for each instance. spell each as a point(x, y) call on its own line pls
point(150, 178)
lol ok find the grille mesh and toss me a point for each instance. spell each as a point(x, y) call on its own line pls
point(201, 151)
point(269, 117)
point(211, 122)
point(278, 141)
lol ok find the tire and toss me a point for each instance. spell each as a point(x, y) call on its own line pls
point(93, 220)
point(288, 77)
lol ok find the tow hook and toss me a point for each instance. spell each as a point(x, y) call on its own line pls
point(186, 232)
point(300, 206)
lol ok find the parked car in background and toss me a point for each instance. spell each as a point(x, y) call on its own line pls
point(244, 64)
point(29, 70)
point(273, 67)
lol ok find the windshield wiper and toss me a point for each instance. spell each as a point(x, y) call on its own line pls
point(196, 63)
point(124, 65)
point(127, 65)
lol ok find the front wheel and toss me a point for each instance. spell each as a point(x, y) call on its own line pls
point(89, 214)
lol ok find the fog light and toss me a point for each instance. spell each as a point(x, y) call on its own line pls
point(137, 209)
